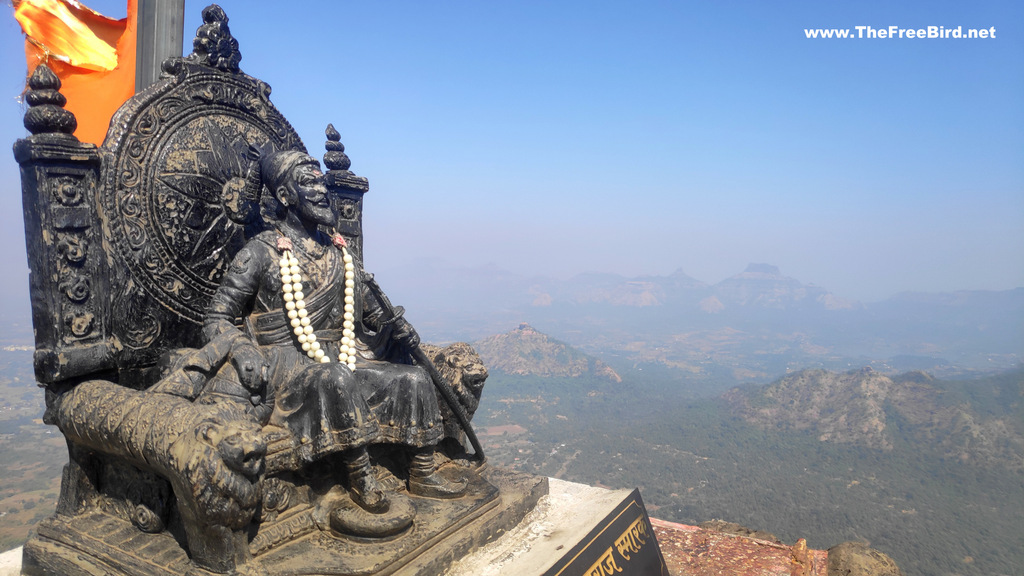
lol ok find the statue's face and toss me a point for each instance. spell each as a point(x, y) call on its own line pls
point(311, 201)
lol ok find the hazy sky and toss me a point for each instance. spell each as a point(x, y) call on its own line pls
point(643, 137)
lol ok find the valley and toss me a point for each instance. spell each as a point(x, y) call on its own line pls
point(935, 501)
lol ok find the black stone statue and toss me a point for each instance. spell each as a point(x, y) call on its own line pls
point(237, 394)
point(328, 405)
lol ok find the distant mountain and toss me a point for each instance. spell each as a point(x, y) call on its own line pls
point(526, 352)
point(759, 286)
point(752, 326)
point(864, 407)
point(763, 285)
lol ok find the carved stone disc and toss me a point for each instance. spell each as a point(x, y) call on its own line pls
point(170, 157)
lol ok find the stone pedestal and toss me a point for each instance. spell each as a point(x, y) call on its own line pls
point(10, 562)
point(445, 530)
point(576, 529)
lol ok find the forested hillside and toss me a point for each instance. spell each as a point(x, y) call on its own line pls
point(932, 496)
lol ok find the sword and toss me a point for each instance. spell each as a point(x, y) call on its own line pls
point(393, 313)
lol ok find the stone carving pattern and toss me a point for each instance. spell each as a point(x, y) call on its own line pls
point(212, 455)
point(350, 219)
point(214, 45)
point(71, 214)
point(348, 209)
point(164, 191)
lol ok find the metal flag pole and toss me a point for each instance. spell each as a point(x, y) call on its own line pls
point(158, 37)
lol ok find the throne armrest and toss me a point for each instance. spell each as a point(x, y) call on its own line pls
point(213, 456)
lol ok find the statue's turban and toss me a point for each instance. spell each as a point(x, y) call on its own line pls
point(276, 167)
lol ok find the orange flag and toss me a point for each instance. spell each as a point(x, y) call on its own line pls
point(94, 57)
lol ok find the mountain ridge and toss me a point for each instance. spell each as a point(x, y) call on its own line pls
point(759, 323)
point(864, 407)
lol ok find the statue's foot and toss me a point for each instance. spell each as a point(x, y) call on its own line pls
point(352, 519)
point(368, 494)
point(436, 485)
point(364, 488)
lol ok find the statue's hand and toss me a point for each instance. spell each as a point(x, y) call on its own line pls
point(251, 366)
point(405, 335)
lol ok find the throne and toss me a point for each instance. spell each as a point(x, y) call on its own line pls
point(127, 243)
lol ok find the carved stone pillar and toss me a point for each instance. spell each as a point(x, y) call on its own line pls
point(67, 259)
point(347, 192)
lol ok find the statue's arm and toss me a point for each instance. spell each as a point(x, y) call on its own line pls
point(372, 301)
point(233, 299)
point(236, 293)
point(377, 310)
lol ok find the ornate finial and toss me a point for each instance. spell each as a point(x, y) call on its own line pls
point(338, 175)
point(335, 158)
point(46, 114)
point(214, 46)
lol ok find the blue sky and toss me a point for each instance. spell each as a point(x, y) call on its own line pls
point(555, 138)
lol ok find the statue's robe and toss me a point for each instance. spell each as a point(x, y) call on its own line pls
point(327, 406)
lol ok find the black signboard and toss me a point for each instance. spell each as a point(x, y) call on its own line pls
point(623, 544)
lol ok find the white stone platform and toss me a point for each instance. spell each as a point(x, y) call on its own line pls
point(10, 562)
point(559, 522)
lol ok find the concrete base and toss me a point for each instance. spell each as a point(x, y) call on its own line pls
point(559, 521)
point(10, 562)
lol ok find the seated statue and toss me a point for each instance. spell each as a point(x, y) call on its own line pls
point(325, 341)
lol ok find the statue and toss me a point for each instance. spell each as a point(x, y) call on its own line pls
point(324, 339)
point(237, 394)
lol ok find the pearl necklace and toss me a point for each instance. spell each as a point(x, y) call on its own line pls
point(295, 304)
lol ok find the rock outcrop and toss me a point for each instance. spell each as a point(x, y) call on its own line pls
point(857, 559)
point(527, 352)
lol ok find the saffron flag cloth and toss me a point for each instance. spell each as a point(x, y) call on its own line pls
point(94, 57)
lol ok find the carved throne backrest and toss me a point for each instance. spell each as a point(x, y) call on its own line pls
point(128, 242)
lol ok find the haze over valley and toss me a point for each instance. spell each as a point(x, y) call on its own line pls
point(751, 327)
